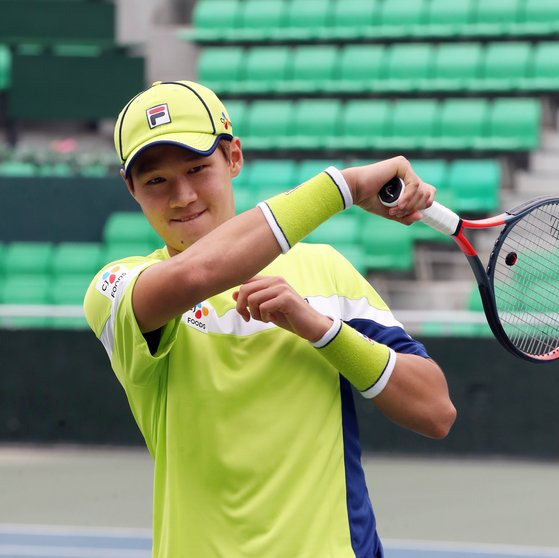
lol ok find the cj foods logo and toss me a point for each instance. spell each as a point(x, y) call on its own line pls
point(197, 317)
point(110, 279)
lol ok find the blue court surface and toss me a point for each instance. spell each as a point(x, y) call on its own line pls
point(21, 541)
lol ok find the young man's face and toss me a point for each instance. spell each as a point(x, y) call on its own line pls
point(185, 196)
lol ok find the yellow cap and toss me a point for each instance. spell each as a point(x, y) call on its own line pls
point(180, 113)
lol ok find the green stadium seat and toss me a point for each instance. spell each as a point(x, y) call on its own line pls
point(5, 67)
point(276, 173)
point(433, 171)
point(257, 18)
point(17, 168)
point(356, 255)
point(266, 121)
point(514, 124)
point(454, 65)
point(129, 227)
point(306, 19)
point(388, 245)
point(311, 167)
point(265, 68)
point(311, 68)
point(315, 123)
point(119, 250)
point(220, 68)
point(406, 65)
point(364, 123)
point(446, 19)
point(413, 123)
point(504, 65)
point(25, 289)
point(462, 123)
point(359, 67)
point(341, 229)
point(355, 19)
point(237, 114)
point(28, 258)
point(69, 290)
point(475, 185)
point(74, 258)
point(214, 19)
point(496, 17)
point(399, 18)
point(245, 199)
point(545, 68)
point(538, 17)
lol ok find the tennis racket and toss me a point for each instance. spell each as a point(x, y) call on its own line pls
point(520, 286)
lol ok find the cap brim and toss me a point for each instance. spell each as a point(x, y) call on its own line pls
point(202, 144)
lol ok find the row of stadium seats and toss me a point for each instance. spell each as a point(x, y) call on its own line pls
point(303, 20)
point(404, 67)
point(507, 124)
point(466, 185)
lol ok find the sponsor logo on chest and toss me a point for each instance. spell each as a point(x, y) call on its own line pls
point(198, 317)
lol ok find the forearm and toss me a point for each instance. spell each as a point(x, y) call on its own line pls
point(417, 398)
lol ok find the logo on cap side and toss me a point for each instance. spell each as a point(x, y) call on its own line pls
point(158, 115)
point(225, 120)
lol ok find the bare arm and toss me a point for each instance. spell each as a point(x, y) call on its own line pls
point(225, 257)
point(416, 397)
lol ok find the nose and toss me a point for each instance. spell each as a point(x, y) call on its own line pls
point(183, 193)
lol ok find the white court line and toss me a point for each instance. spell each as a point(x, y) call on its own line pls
point(473, 548)
point(71, 552)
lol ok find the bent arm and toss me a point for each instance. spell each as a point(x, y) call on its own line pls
point(416, 397)
point(241, 247)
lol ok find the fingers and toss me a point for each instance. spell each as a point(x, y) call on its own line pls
point(262, 297)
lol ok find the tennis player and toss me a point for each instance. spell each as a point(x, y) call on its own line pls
point(237, 345)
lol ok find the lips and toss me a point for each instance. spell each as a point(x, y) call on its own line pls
point(188, 218)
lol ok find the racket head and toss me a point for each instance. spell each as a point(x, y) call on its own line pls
point(523, 272)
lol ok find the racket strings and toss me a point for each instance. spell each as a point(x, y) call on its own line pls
point(525, 284)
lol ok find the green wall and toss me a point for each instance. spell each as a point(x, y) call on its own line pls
point(56, 386)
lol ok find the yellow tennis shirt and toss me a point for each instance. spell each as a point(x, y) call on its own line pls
point(253, 432)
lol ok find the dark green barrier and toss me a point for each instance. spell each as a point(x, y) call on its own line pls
point(55, 21)
point(57, 386)
point(50, 87)
point(60, 209)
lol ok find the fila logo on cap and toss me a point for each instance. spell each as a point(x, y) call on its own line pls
point(158, 115)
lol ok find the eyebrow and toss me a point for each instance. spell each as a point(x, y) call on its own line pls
point(149, 163)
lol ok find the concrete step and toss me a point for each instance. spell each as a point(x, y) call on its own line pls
point(533, 184)
point(550, 139)
point(545, 162)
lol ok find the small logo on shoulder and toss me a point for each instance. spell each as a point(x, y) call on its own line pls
point(198, 317)
point(110, 281)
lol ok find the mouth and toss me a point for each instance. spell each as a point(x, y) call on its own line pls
point(188, 218)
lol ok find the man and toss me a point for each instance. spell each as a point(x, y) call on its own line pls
point(236, 346)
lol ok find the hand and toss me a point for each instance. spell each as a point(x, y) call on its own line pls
point(366, 182)
point(272, 299)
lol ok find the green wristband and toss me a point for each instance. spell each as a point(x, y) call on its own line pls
point(366, 364)
point(294, 214)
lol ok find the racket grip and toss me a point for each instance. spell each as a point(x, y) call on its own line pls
point(437, 216)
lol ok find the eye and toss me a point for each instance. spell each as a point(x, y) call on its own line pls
point(155, 180)
point(197, 169)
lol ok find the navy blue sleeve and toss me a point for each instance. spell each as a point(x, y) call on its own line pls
point(393, 336)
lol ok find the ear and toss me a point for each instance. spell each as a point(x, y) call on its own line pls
point(129, 183)
point(236, 153)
